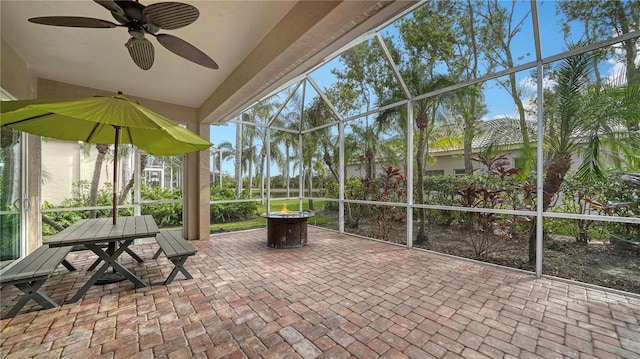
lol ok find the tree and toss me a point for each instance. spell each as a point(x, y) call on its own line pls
point(249, 151)
point(95, 180)
point(289, 141)
point(289, 119)
point(602, 20)
point(438, 38)
point(499, 31)
point(264, 112)
point(315, 144)
point(229, 151)
point(584, 117)
point(427, 114)
point(238, 158)
point(443, 38)
point(129, 185)
point(365, 79)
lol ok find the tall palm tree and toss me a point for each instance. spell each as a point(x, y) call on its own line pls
point(249, 152)
point(275, 156)
point(229, 152)
point(427, 114)
point(129, 184)
point(95, 180)
point(238, 159)
point(254, 139)
point(289, 141)
point(316, 142)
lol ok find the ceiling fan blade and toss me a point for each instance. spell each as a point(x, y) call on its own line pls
point(171, 15)
point(111, 6)
point(73, 21)
point(141, 51)
point(186, 50)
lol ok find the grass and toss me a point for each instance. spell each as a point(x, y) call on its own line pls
point(276, 205)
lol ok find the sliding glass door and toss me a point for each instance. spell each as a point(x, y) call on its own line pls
point(12, 206)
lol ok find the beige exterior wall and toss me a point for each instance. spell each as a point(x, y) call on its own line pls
point(65, 163)
point(451, 161)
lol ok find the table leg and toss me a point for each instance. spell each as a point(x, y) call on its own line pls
point(111, 245)
point(133, 255)
point(110, 260)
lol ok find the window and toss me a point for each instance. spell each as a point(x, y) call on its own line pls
point(459, 172)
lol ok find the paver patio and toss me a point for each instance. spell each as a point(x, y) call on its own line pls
point(338, 297)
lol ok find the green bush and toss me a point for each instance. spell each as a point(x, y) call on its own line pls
point(603, 196)
point(166, 215)
point(229, 212)
point(442, 190)
point(80, 198)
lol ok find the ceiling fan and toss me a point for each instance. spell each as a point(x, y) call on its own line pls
point(141, 20)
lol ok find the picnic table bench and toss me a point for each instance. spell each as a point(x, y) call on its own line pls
point(177, 250)
point(29, 274)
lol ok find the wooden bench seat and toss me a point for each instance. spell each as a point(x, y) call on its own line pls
point(177, 250)
point(29, 274)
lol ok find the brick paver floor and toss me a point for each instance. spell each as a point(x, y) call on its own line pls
point(338, 297)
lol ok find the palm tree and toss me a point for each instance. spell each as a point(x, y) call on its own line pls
point(249, 152)
point(315, 142)
point(375, 141)
point(126, 188)
point(261, 112)
point(289, 140)
point(427, 113)
point(95, 180)
point(238, 158)
point(275, 155)
point(228, 152)
point(586, 118)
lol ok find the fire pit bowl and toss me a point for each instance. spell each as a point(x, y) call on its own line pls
point(287, 229)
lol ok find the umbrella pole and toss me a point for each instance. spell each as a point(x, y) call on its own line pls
point(114, 211)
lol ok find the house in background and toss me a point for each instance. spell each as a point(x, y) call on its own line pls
point(501, 133)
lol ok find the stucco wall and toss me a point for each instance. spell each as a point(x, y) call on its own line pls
point(449, 162)
point(65, 163)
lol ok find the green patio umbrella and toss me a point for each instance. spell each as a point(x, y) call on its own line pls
point(101, 120)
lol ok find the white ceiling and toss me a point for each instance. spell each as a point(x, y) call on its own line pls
point(236, 34)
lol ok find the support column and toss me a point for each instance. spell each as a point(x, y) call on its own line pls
point(33, 183)
point(196, 217)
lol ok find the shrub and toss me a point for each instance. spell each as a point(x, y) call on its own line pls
point(604, 196)
point(228, 212)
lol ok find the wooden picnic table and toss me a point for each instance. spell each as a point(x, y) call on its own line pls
point(93, 233)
